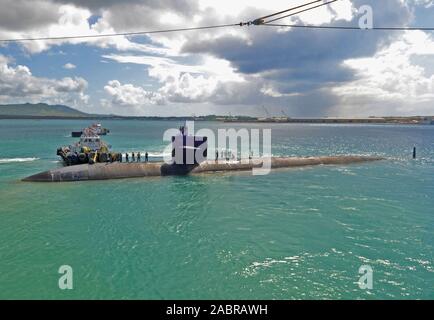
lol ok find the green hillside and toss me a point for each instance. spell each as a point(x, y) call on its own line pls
point(39, 110)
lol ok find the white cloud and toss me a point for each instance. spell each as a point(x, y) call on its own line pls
point(17, 84)
point(182, 82)
point(162, 68)
point(270, 91)
point(68, 21)
point(128, 95)
point(186, 87)
point(69, 66)
point(391, 82)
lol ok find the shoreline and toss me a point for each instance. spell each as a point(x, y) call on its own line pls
point(416, 121)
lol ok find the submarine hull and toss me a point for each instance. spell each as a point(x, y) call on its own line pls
point(107, 171)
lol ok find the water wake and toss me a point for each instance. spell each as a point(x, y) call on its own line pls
point(13, 160)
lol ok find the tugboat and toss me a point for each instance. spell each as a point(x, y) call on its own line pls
point(89, 149)
point(96, 127)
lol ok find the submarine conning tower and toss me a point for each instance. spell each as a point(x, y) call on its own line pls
point(188, 152)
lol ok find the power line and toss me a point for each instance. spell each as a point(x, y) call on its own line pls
point(118, 34)
point(351, 28)
point(269, 23)
point(301, 11)
point(284, 11)
point(260, 21)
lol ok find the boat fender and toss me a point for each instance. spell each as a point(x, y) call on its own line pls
point(82, 157)
point(103, 157)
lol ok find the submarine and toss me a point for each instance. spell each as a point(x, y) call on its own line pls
point(189, 156)
point(117, 170)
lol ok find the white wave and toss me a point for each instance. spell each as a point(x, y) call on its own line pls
point(12, 160)
point(157, 155)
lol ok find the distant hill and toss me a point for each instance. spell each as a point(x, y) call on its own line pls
point(40, 110)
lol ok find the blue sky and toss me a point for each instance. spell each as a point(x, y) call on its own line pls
point(232, 70)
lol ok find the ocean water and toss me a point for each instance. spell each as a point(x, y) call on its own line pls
point(293, 234)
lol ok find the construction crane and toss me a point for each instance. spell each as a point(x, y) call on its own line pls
point(266, 111)
point(284, 117)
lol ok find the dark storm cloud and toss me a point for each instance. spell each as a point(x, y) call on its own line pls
point(304, 54)
point(19, 15)
point(96, 4)
point(304, 59)
point(313, 102)
point(301, 65)
point(182, 6)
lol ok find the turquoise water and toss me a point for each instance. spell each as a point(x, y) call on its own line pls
point(294, 234)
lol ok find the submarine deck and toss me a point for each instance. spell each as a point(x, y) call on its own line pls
point(107, 171)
